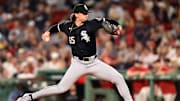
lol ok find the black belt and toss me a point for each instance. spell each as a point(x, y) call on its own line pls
point(87, 58)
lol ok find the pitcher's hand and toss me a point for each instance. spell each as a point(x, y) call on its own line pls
point(46, 36)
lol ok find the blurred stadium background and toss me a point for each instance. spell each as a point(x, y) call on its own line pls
point(147, 54)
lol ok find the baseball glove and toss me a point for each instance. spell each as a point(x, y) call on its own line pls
point(110, 28)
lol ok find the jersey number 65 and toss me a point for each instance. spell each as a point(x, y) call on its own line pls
point(72, 40)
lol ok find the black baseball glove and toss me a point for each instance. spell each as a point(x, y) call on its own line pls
point(110, 28)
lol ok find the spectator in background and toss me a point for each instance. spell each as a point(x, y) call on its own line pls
point(3, 42)
point(138, 48)
point(119, 60)
point(151, 45)
point(176, 58)
point(129, 56)
point(40, 64)
point(28, 66)
point(27, 69)
point(96, 11)
point(175, 31)
point(13, 39)
point(31, 34)
point(162, 32)
point(4, 74)
point(148, 4)
point(178, 10)
point(152, 20)
point(57, 4)
point(174, 53)
point(1, 69)
point(164, 88)
point(102, 39)
point(154, 37)
point(4, 15)
point(147, 56)
point(4, 29)
point(10, 65)
point(160, 11)
point(41, 16)
point(140, 87)
point(65, 53)
point(21, 54)
point(21, 87)
point(17, 29)
point(163, 51)
point(71, 3)
point(116, 11)
point(55, 63)
point(141, 12)
point(141, 31)
point(128, 23)
point(176, 66)
point(106, 54)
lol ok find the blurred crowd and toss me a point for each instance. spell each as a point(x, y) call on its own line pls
point(150, 38)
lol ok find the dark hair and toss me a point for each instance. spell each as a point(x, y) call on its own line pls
point(72, 17)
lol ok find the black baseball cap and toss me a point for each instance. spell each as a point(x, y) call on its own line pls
point(81, 8)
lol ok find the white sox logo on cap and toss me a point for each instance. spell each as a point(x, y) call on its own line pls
point(85, 7)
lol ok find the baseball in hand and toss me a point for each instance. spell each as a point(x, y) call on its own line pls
point(46, 39)
point(46, 36)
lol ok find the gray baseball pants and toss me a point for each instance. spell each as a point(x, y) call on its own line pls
point(78, 68)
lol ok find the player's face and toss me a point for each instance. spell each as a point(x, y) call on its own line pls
point(82, 16)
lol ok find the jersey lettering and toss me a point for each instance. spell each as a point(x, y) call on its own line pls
point(84, 36)
point(72, 40)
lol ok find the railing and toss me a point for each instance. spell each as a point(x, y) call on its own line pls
point(54, 75)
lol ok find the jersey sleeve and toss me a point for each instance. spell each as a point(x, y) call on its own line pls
point(97, 23)
point(57, 28)
point(112, 21)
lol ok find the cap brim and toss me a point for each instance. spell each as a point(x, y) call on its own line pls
point(83, 12)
